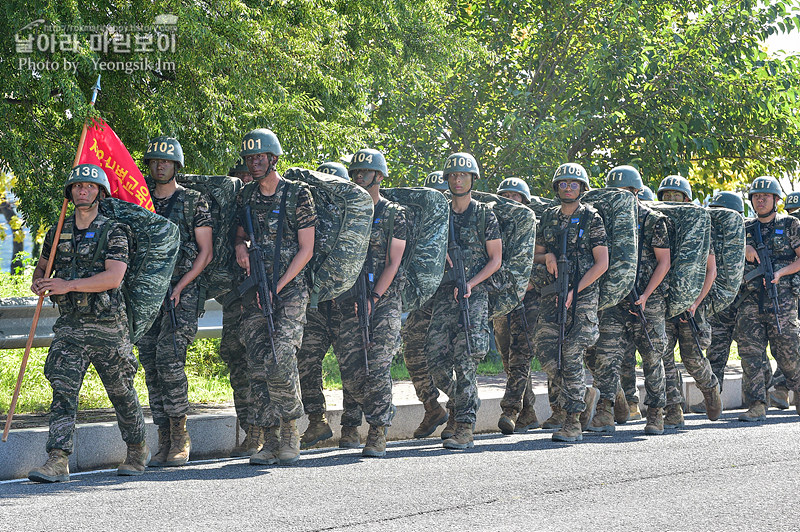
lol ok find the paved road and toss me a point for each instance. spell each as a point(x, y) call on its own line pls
point(710, 476)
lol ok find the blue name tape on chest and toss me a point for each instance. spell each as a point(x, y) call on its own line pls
point(778, 231)
point(90, 234)
point(575, 220)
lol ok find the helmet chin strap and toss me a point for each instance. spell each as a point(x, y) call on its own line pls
point(163, 182)
point(462, 194)
point(774, 209)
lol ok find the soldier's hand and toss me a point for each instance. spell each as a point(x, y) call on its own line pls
point(449, 262)
point(692, 309)
point(55, 286)
point(751, 255)
point(642, 301)
point(176, 296)
point(569, 299)
point(243, 258)
point(551, 263)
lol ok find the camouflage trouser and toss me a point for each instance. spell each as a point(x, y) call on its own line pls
point(371, 390)
point(233, 352)
point(581, 334)
point(693, 360)
point(275, 388)
point(105, 345)
point(722, 324)
point(164, 368)
point(447, 350)
point(515, 343)
point(621, 333)
point(627, 373)
point(415, 331)
point(322, 326)
point(755, 329)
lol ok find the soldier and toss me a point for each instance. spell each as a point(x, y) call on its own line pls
point(414, 333)
point(88, 271)
point(513, 333)
point(721, 323)
point(319, 335)
point(779, 397)
point(582, 228)
point(758, 322)
point(232, 349)
point(677, 189)
point(283, 222)
point(621, 330)
point(366, 369)
point(458, 335)
point(162, 349)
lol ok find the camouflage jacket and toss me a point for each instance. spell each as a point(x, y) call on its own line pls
point(189, 210)
point(81, 254)
point(782, 237)
point(473, 228)
point(266, 212)
point(389, 221)
point(653, 233)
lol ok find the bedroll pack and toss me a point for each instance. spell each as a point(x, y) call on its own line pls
point(154, 251)
point(424, 258)
point(617, 207)
point(517, 222)
point(344, 219)
point(728, 241)
point(690, 239)
point(217, 278)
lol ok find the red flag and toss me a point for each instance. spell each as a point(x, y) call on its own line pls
point(103, 148)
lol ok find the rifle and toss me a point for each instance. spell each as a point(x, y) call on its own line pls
point(173, 319)
point(561, 288)
point(259, 280)
point(695, 329)
point(363, 292)
point(766, 270)
point(457, 258)
point(523, 311)
point(633, 297)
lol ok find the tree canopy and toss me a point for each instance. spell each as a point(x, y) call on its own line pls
point(670, 86)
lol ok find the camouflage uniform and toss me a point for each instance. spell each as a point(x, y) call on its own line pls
point(92, 329)
point(446, 342)
point(414, 333)
point(755, 321)
point(163, 367)
point(275, 388)
point(693, 360)
point(373, 390)
point(321, 330)
point(722, 326)
point(234, 353)
point(627, 374)
point(515, 344)
point(582, 324)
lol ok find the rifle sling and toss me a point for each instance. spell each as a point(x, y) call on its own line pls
point(276, 256)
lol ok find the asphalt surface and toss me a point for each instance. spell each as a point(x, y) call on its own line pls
point(725, 475)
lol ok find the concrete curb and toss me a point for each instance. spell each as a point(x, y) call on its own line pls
point(99, 445)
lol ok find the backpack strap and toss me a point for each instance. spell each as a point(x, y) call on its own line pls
point(276, 255)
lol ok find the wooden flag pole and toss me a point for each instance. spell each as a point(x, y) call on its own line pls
point(48, 271)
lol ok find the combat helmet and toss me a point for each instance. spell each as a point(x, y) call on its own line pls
point(623, 177)
point(435, 180)
point(675, 182)
point(574, 172)
point(334, 168)
point(646, 194)
point(238, 167)
point(792, 201)
point(765, 185)
point(513, 184)
point(87, 173)
point(167, 148)
point(461, 162)
point(261, 141)
point(728, 200)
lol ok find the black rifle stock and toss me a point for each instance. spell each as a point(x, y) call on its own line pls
point(686, 316)
point(457, 258)
point(766, 270)
point(259, 280)
point(561, 288)
point(363, 295)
